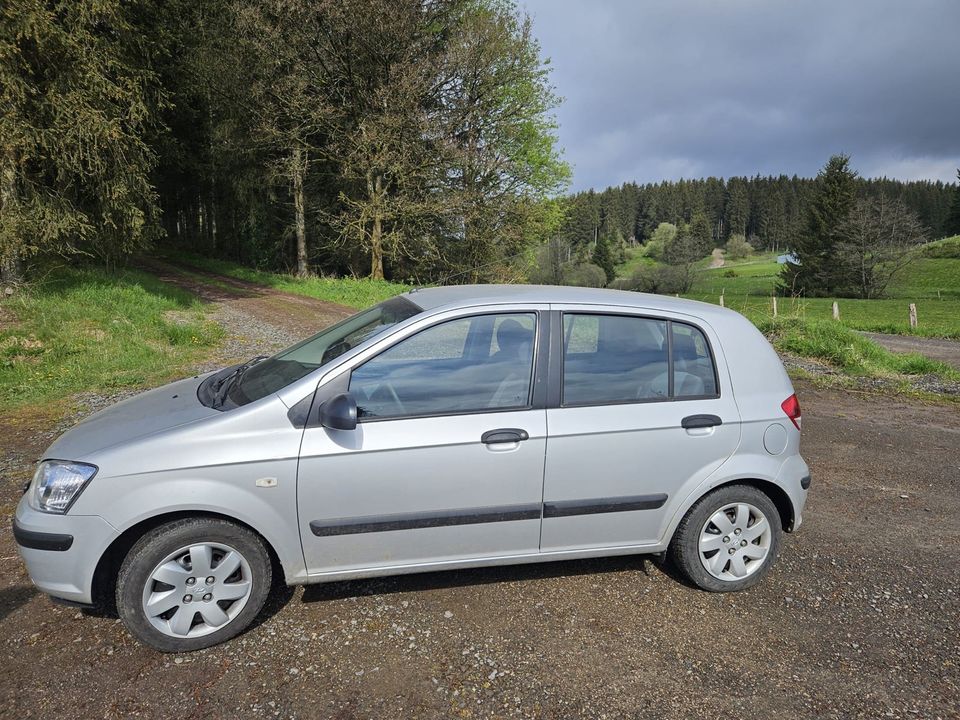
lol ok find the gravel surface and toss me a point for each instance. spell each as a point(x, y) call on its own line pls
point(859, 619)
point(941, 349)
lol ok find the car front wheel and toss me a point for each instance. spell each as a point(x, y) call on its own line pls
point(728, 540)
point(193, 583)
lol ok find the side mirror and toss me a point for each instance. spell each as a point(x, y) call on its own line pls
point(339, 412)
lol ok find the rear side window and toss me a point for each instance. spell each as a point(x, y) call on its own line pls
point(622, 359)
point(613, 358)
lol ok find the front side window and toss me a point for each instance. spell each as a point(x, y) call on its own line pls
point(481, 363)
point(296, 362)
point(622, 359)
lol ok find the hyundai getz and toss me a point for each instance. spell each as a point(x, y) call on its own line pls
point(445, 428)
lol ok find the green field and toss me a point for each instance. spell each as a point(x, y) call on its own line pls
point(931, 283)
point(87, 329)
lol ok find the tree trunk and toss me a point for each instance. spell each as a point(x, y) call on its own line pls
point(376, 234)
point(212, 192)
point(376, 248)
point(11, 266)
point(299, 170)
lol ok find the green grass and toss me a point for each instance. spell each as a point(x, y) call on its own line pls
point(633, 261)
point(353, 292)
point(87, 329)
point(945, 248)
point(933, 284)
point(847, 350)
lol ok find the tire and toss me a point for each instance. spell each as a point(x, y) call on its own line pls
point(737, 518)
point(193, 611)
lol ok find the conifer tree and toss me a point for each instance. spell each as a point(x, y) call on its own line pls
point(952, 223)
point(818, 271)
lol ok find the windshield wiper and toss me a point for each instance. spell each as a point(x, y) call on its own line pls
point(223, 385)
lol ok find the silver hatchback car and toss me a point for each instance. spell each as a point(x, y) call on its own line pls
point(445, 428)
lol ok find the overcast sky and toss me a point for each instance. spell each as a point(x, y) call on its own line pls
point(664, 89)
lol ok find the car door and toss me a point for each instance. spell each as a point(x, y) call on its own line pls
point(638, 415)
point(446, 462)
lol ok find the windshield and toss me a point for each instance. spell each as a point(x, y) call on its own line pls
point(290, 365)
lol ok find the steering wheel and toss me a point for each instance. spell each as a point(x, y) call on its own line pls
point(394, 397)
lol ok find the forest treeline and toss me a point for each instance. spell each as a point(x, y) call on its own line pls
point(771, 212)
point(403, 138)
point(408, 139)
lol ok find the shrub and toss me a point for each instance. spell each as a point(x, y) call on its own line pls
point(738, 247)
point(661, 238)
point(584, 275)
point(663, 279)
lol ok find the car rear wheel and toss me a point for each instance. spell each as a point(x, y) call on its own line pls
point(193, 583)
point(728, 540)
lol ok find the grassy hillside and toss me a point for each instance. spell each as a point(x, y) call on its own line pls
point(932, 283)
point(86, 329)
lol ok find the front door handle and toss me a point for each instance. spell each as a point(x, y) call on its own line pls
point(700, 421)
point(504, 435)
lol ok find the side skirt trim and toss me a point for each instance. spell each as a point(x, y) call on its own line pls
point(593, 506)
point(421, 520)
point(476, 516)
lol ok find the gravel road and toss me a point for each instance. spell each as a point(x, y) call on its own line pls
point(859, 619)
point(941, 349)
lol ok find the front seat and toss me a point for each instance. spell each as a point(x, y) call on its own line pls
point(515, 343)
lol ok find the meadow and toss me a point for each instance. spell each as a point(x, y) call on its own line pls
point(92, 330)
point(931, 283)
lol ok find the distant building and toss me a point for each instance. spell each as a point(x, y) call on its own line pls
point(788, 258)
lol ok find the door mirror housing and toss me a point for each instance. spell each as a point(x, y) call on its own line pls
point(339, 412)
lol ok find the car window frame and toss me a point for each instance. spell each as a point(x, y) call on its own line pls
point(559, 350)
point(538, 369)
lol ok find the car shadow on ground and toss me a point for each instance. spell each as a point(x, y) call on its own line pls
point(342, 590)
point(12, 598)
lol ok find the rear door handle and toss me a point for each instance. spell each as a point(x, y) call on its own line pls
point(504, 435)
point(700, 421)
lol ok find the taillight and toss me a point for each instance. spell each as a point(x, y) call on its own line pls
point(791, 406)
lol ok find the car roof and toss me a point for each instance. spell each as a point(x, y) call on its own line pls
point(454, 296)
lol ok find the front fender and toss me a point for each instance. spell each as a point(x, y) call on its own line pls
point(270, 508)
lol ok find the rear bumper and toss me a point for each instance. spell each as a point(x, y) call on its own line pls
point(61, 552)
point(794, 478)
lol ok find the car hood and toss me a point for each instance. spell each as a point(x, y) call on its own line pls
point(142, 415)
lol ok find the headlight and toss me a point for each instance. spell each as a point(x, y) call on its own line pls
point(57, 483)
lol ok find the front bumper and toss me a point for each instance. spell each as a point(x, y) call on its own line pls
point(61, 552)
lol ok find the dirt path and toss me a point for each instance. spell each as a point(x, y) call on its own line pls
point(860, 618)
point(260, 320)
point(941, 349)
point(716, 259)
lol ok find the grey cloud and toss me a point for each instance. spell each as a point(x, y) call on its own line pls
point(684, 88)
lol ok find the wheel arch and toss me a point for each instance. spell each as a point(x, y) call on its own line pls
point(108, 566)
point(777, 495)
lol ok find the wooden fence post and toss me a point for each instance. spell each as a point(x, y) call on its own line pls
point(913, 315)
point(774, 305)
point(721, 301)
point(836, 311)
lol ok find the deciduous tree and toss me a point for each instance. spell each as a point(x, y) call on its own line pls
point(874, 243)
